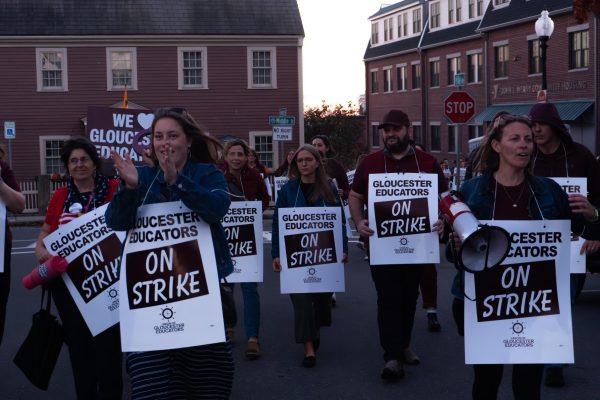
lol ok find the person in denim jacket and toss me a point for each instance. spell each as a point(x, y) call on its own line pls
point(507, 190)
point(184, 169)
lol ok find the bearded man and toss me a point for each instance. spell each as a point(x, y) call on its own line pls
point(397, 285)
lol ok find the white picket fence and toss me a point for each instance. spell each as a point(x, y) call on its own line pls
point(30, 190)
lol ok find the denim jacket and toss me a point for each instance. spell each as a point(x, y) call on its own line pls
point(290, 195)
point(201, 187)
point(548, 197)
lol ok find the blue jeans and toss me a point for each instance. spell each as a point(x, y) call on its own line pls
point(251, 308)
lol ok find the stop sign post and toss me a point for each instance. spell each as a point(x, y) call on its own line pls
point(459, 107)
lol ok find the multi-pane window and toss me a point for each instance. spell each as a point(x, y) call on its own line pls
point(458, 10)
point(400, 30)
point(52, 159)
point(535, 59)
point(374, 33)
point(374, 82)
point(475, 67)
point(51, 69)
point(479, 8)
point(453, 69)
point(417, 134)
point(501, 61)
point(452, 136)
point(401, 77)
point(579, 49)
point(475, 131)
point(434, 15)
point(262, 68)
point(374, 136)
point(387, 31)
point(404, 24)
point(471, 8)
point(417, 20)
point(451, 11)
point(434, 73)
point(263, 145)
point(416, 76)
point(192, 68)
point(121, 67)
point(387, 80)
point(498, 2)
point(435, 138)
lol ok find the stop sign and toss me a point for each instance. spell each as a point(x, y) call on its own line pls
point(459, 107)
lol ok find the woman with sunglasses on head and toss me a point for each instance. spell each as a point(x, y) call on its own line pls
point(333, 168)
point(95, 360)
point(506, 190)
point(184, 170)
point(311, 189)
point(245, 183)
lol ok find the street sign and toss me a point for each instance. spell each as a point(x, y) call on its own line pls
point(459, 107)
point(459, 79)
point(281, 120)
point(282, 133)
point(10, 130)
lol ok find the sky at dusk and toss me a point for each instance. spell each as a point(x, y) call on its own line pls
point(336, 37)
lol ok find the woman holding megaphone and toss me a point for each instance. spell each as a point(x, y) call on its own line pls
point(95, 360)
point(506, 190)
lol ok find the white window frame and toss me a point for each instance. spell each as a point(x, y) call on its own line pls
point(431, 15)
point(204, 75)
point(275, 147)
point(402, 85)
point(249, 54)
point(64, 66)
point(387, 78)
point(109, 77)
point(479, 79)
point(42, 146)
point(374, 33)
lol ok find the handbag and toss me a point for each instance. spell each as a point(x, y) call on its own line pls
point(39, 352)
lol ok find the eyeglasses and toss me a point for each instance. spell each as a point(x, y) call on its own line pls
point(77, 160)
point(505, 119)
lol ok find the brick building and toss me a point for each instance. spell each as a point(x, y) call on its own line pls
point(417, 46)
point(231, 64)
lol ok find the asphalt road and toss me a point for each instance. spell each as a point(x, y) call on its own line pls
point(349, 360)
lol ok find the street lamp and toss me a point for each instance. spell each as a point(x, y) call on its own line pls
point(544, 27)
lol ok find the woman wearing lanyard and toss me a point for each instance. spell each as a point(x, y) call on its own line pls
point(507, 190)
point(245, 184)
point(96, 361)
point(312, 189)
point(184, 170)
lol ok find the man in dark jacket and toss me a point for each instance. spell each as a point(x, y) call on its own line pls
point(557, 155)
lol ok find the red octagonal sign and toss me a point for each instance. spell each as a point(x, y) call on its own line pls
point(459, 107)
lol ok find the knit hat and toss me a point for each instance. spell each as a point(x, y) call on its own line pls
point(395, 118)
point(546, 113)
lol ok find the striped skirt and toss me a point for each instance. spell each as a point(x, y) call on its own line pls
point(201, 372)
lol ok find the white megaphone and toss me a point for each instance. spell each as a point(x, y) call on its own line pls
point(483, 246)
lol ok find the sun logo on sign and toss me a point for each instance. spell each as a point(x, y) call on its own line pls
point(312, 271)
point(113, 293)
point(403, 241)
point(167, 313)
point(517, 327)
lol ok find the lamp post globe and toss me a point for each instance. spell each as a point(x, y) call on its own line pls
point(544, 26)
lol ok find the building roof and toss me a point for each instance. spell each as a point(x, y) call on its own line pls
point(397, 47)
point(517, 11)
point(387, 8)
point(568, 110)
point(149, 17)
point(450, 34)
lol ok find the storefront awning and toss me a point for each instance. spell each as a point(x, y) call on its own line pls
point(568, 110)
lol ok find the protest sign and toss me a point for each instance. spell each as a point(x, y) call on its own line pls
point(402, 209)
point(575, 186)
point(93, 252)
point(521, 313)
point(169, 281)
point(124, 131)
point(311, 250)
point(243, 229)
point(279, 182)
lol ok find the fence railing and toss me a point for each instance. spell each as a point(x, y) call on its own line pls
point(31, 191)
